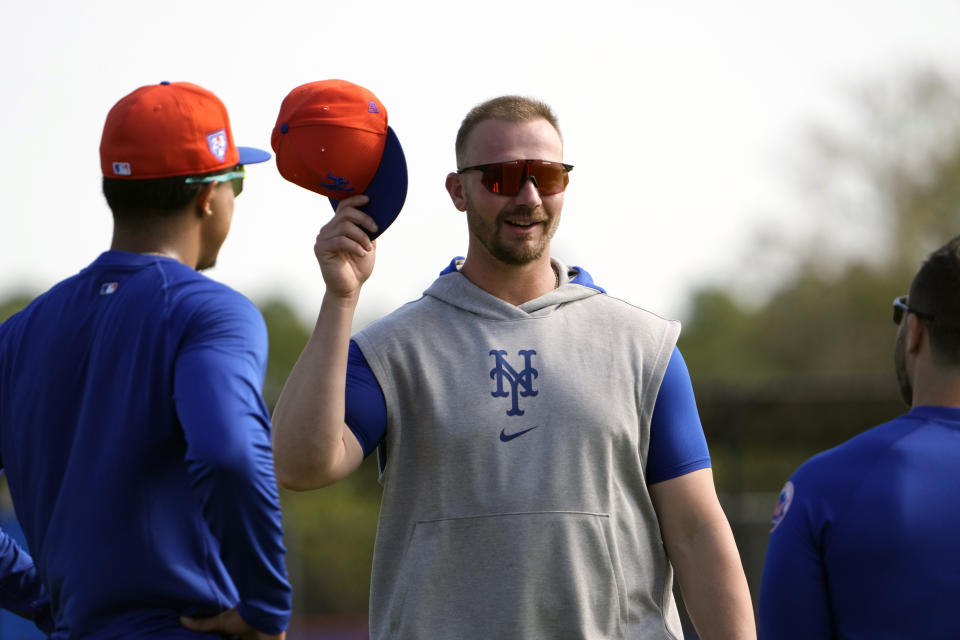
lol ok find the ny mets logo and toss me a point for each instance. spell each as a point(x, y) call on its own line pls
point(337, 183)
point(217, 143)
point(783, 505)
point(521, 383)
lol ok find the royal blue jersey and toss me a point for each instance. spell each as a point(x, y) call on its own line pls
point(137, 450)
point(677, 442)
point(864, 538)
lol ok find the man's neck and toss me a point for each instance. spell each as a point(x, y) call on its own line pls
point(156, 242)
point(515, 284)
point(936, 386)
point(939, 396)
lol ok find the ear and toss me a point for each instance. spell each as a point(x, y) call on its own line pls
point(204, 200)
point(916, 334)
point(454, 186)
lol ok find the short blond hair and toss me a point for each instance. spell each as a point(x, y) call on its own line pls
point(508, 108)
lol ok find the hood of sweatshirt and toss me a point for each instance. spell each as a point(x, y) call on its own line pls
point(455, 289)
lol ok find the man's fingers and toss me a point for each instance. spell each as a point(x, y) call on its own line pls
point(356, 218)
point(348, 210)
point(342, 228)
point(342, 245)
point(353, 201)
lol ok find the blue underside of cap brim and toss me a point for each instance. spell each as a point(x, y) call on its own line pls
point(249, 155)
point(388, 189)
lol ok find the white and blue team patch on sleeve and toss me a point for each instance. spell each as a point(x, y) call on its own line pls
point(783, 505)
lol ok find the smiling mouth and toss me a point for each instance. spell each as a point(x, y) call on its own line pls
point(523, 224)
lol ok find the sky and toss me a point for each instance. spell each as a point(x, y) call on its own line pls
point(681, 119)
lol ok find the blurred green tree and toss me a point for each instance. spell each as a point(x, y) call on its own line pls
point(788, 365)
point(882, 191)
point(288, 336)
point(13, 303)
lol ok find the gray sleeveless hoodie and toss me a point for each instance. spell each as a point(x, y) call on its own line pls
point(514, 500)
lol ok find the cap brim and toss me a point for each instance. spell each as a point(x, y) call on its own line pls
point(249, 155)
point(388, 189)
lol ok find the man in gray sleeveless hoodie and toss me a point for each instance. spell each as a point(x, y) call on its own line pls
point(543, 464)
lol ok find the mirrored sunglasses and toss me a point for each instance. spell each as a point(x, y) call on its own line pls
point(235, 175)
point(507, 178)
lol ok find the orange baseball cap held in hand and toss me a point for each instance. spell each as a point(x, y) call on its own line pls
point(170, 129)
point(332, 137)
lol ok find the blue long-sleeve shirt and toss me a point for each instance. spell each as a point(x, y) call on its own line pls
point(864, 537)
point(137, 449)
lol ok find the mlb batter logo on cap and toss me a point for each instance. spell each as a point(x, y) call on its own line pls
point(332, 137)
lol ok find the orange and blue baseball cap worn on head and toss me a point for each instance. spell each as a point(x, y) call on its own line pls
point(332, 137)
point(170, 129)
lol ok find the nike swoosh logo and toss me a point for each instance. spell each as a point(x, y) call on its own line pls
point(507, 438)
